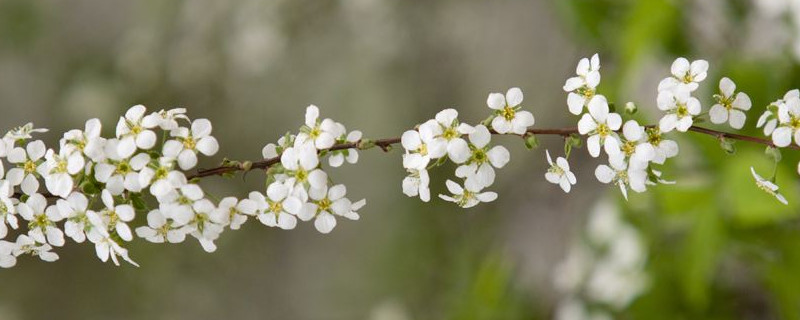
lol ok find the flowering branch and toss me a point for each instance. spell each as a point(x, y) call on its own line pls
point(96, 187)
point(386, 143)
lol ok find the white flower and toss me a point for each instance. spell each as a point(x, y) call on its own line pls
point(206, 226)
point(59, 171)
point(664, 148)
point(620, 174)
point(730, 106)
point(168, 119)
point(508, 117)
point(559, 173)
point(23, 132)
point(681, 109)
point(161, 177)
point(234, 212)
point(28, 245)
point(159, 229)
point(685, 75)
point(338, 157)
point(133, 131)
point(189, 142)
point(302, 162)
point(467, 197)
point(600, 125)
point(87, 141)
point(768, 186)
point(7, 209)
point(789, 119)
point(106, 247)
point(322, 133)
point(769, 119)
point(325, 204)
point(120, 173)
point(29, 164)
point(422, 143)
point(74, 209)
point(279, 207)
point(177, 204)
point(635, 146)
point(583, 87)
point(448, 136)
point(478, 169)
point(417, 181)
point(42, 220)
point(115, 217)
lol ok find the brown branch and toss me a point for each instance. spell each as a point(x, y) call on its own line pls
point(385, 144)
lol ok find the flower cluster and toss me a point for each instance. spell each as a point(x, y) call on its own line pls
point(631, 148)
point(299, 188)
point(445, 138)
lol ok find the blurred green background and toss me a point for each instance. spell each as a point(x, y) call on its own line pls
point(711, 247)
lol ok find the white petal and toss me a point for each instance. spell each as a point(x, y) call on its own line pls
point(514, 97)
point(718, 114)
point(496, 101)
point(458, 150)
point(499, 156)
point(737, 119)
point(325, 222)
point(480, 137)
point(575, 103)
point(501, 125)
point(604, 173)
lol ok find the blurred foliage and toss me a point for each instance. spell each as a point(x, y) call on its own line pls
point(720, 247)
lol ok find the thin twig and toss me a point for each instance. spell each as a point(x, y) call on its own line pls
point(384, 144)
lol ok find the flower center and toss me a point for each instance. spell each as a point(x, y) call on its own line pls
point(763, 186)
point(465, 198)
point(586, 92)
point(123, 168)
point(556, 169)
point(136, 129)
point(795, 122)
point(603, 130)
point(29, 166)
point(423, 149)
point(189, 143)
point(161, 173)
point(314, 133)
point(682, 111)
point(450, 133)
point(276, 207)
point(479, 156)
point(688, 78)
point(324, 205)
point(622, 176)
point(508, 113)
point(301, 175)
point(653, 136)
point(629, 148)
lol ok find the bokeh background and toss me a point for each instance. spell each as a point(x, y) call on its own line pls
point(711, 247)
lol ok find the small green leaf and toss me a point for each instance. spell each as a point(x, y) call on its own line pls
point(727, 145)
point(531, 141)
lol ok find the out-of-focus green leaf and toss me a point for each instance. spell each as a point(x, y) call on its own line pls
point(683, 199)
point(701, 250)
